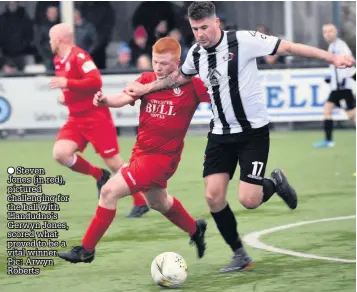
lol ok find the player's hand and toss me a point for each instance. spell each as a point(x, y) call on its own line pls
point(58, 82)
point(136, 89)
point(343, 61)
point(61, 100)
point(99, 99)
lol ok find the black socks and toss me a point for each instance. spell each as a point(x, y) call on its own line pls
point(328, 126)
point(226, 221)
point(227, 226)
point(268, 189)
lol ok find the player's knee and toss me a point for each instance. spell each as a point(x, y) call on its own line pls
point(351, 115)
point(250, 201)
point(108, 194)
point(215, 199)
point(156, 205)
point(61, 156)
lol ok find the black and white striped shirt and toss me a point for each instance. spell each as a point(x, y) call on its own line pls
point(340, 78)
point(229, 70)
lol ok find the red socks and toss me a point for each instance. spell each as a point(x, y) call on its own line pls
point(139, 199)
point(181, 218)
point(78, 164)
point(104, 217)
point(99, 225)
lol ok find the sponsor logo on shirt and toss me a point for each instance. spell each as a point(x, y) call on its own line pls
point(160, 108)
point(213, 76)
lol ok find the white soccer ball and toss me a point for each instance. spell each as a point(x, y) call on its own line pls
point(169, 270)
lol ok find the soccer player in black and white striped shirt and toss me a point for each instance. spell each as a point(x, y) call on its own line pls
point(341, 85)
point(226, 62)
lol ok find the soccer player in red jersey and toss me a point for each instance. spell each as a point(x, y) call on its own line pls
point(79, 79)
point(164, 119)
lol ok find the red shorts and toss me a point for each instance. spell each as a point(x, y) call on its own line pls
point(146, 171)
point(100, 132)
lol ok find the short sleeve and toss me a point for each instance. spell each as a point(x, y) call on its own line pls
point(146, 77)
point(255, 44)
point(330, 49)
point(346, 50)
point(141, 79)
point(85, 64)
point(201, 90)
point(188, 67)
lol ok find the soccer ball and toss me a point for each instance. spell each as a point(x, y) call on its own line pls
point(169, 270)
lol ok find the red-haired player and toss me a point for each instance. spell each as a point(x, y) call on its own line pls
point(164, 119)
point(79, 79)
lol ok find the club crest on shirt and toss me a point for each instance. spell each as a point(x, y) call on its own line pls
point(228, 57)
point(177, 91)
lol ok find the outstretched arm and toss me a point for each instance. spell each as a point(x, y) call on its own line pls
point(119, 100)
point(171, 81)
point(289, 48)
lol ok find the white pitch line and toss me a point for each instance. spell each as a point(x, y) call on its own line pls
point(252, 239)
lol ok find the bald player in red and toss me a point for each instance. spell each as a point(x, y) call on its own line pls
point(164, 119)
point(79, 79)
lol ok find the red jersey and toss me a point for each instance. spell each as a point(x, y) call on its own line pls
point(84, 80)
point(166, 115)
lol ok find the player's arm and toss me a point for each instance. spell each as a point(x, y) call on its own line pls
point(121, 99)
point(290, 48)
point(200, 90)
point(255, 44)
point(91, 82)
point(175, 79)
point(91, 79)
point(116, 101)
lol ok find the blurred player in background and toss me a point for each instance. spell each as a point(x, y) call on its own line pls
point(239, 130)
point(164, 119)
point(79, 79)
point(341, 85)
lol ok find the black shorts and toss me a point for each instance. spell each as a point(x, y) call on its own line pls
point(250, 149)
point(346, 94)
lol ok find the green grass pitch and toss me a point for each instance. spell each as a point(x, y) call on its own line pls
point(325, 184)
